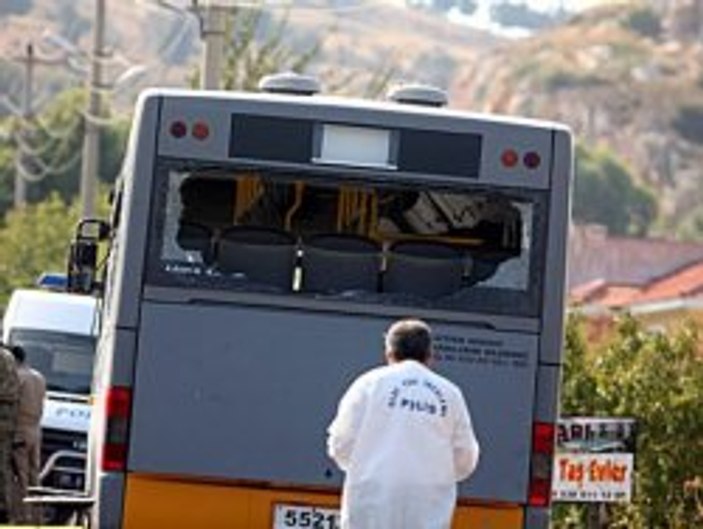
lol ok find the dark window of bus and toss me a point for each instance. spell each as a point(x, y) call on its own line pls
point(454, 154)
point(452, 248)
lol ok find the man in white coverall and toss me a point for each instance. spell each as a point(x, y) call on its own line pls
point(403, 437)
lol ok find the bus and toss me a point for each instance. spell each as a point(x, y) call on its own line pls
point(260, 244)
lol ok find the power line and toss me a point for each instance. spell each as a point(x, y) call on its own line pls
point(34, 157)
point(31, 175)
point(27, 149)
point(35, 124)
point(29, 60)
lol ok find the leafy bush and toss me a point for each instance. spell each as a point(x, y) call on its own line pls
point(657, 379)
point(56, 140)
point(15, 7)
point(689, 122)
point(605, 193)
point(520, 15)
point(566, 80)
point(690, 228)
point(645, 22)
point(35, 239)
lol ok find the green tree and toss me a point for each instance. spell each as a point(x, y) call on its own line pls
point(691, 226)
point(257, 47)
point(9, 73)
point(579, 384)
point(35, 239)
point(604, 193)
point(657, 379)
point(15, 7)
point(645, 22)
point(688, 121)
point(52, 148)
point(7, 175)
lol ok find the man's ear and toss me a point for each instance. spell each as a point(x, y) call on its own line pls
point(390, 358)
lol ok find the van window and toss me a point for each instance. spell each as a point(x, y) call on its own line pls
point(65, 360)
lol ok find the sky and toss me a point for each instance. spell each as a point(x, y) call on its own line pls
point(573, 5)
point(482, 19)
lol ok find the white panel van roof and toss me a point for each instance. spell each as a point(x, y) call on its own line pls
point(50, 311)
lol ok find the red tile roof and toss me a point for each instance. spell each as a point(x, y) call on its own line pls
point(618, 296)
point(588, 291)
point(682, 283)
point(595, 255)
point(686, 282)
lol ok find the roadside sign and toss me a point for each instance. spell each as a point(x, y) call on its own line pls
point(600, 478)
point(594, 460)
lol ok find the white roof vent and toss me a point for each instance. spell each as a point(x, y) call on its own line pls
point(289, 83)
point(418, 94)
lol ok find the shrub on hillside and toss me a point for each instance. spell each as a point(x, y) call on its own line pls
point(689, 122)
point(645, 22)
point(15, 7)
point(605, 193)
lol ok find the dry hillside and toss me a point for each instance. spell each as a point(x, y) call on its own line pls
point(627, 80)
point(355, 41)
point(639, 95)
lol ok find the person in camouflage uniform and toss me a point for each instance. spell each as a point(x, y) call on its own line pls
point(26, 446)
point(9, 395)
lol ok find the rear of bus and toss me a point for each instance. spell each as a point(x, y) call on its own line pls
point(263, 243)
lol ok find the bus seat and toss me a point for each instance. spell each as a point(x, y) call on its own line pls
point(334, 263)
point(261, 255)
point(193, 237)
point(428, 269)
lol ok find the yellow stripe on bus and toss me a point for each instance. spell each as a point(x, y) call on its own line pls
point(152, 501)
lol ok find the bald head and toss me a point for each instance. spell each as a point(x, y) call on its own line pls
point(409, 339)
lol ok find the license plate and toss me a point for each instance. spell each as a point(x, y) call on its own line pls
point(287, 516)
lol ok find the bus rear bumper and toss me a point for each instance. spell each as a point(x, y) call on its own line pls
point(156, 501)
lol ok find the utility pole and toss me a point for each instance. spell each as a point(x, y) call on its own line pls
point(91, 140)
point(29, 60)
point(27, 93)
point(213, 26)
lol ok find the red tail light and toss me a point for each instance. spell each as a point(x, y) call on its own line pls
point(178, 129)
point(543, 438)
point(532, 160)
point(509, 158)
point(540, 491)
point(117, 407)
point(200, 130)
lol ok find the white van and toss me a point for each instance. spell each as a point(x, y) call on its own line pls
point(58, 332)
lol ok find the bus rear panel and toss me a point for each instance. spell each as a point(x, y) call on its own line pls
point(264, 243)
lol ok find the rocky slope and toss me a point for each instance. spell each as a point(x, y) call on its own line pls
point(355, 39)
point(639, 95)
point(627, 77)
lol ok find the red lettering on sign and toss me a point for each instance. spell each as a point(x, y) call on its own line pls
point(607, 471)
